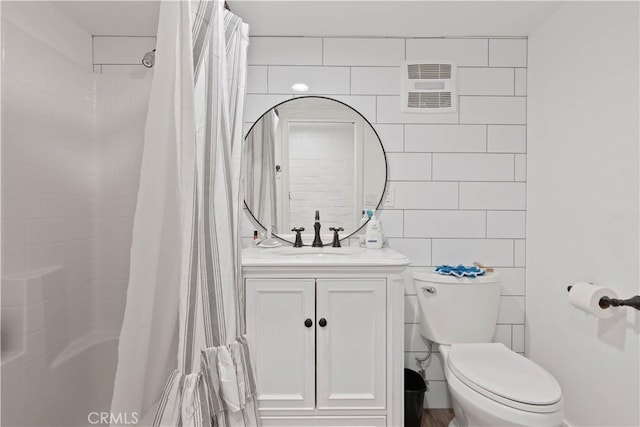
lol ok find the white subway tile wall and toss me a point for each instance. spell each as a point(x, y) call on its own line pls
point(122, 89)
point(49, 178)
point(120, 99)
point(459, 179)
point(49, 182)
point(121, 55)
point(121, 50)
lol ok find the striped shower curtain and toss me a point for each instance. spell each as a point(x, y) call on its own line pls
point(181, 348)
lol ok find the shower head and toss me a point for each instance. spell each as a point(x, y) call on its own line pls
point(149, 59)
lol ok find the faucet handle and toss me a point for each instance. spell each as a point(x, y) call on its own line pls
point(298, 242)
point(336, 237)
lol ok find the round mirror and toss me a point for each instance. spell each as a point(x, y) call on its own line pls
point(312, 154)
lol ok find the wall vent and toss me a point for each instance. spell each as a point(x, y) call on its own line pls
point(429, 86)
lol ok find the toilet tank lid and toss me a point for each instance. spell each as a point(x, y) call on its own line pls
point(502, 372)
point(432, 276)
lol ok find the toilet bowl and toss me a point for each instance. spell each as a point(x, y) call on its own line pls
point(493, 386)
point(490, 385)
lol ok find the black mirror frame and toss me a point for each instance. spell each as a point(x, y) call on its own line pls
point(384, 153)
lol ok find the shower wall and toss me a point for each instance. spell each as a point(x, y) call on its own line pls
point(49, 178)
point(49, 182)
point(121, 106)
point(71, 147)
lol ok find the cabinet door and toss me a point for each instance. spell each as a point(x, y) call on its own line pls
point(282, 346)
point(379, 421)
point(351, 347)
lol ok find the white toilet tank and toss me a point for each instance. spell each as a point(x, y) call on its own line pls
point(457, 310)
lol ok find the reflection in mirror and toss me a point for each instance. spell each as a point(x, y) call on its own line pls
point(312, 153)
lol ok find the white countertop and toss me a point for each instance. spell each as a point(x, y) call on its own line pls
point(288, 256)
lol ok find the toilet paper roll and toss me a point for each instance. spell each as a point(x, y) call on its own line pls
point(586, 297)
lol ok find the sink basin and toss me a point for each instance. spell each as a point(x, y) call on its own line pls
point(314, 252)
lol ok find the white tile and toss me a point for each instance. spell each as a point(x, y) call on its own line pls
point(413, 341)
point(507, 138)
point(418, 250)
point(321, 80)
point(517, 338)
point(285, 51)
point(502, 334)
point(409, 166)
point(521, 82)
point(495, 253)
point(425, 195)
point(35, 345)
point(375, 80)
point(364, 104)
point(389, 112)
point(445, 138)
point(434, 224)
point(392, 137)
point(36, 206)
point(392, 222)
point(97, 68)
point(133, 70)
point(14, 205)
point(472, 167)
point(433, 369)
point(124, 207)
point(512, 281)
point(247, 242)
point(409, 287)
point(411, 309)
point(247, 226)
point(485, 81)
point(15, 260)
point(257, 79)
point(521, 167)
point(507, 52)
point(13, 293)
point(437, 396)
point(121, 50)
point(506, 224)
point(493, 110)
point(14, 234)
point(511, 310)
point(256, 105)
point(39, 232)
point(127, 165)
point(363, 51)
point(492, 195)
point(519, 253)
point(465, 52)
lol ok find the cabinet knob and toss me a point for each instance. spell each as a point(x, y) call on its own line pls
point(308, 323)
point(323, 322)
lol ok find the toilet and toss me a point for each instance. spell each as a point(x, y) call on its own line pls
point(490, 385)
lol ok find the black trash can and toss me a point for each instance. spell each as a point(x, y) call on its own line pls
point(414, 388)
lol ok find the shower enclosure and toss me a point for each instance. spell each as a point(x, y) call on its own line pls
point(72, 134)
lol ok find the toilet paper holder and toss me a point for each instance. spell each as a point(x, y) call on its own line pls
point(606, 302)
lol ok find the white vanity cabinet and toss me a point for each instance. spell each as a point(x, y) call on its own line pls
point(325, 335)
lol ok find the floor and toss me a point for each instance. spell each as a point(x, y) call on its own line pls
point(436, 417)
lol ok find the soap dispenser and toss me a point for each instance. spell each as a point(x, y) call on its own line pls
point(373, 236)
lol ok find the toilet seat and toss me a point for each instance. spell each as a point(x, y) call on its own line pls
point(504, 376)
